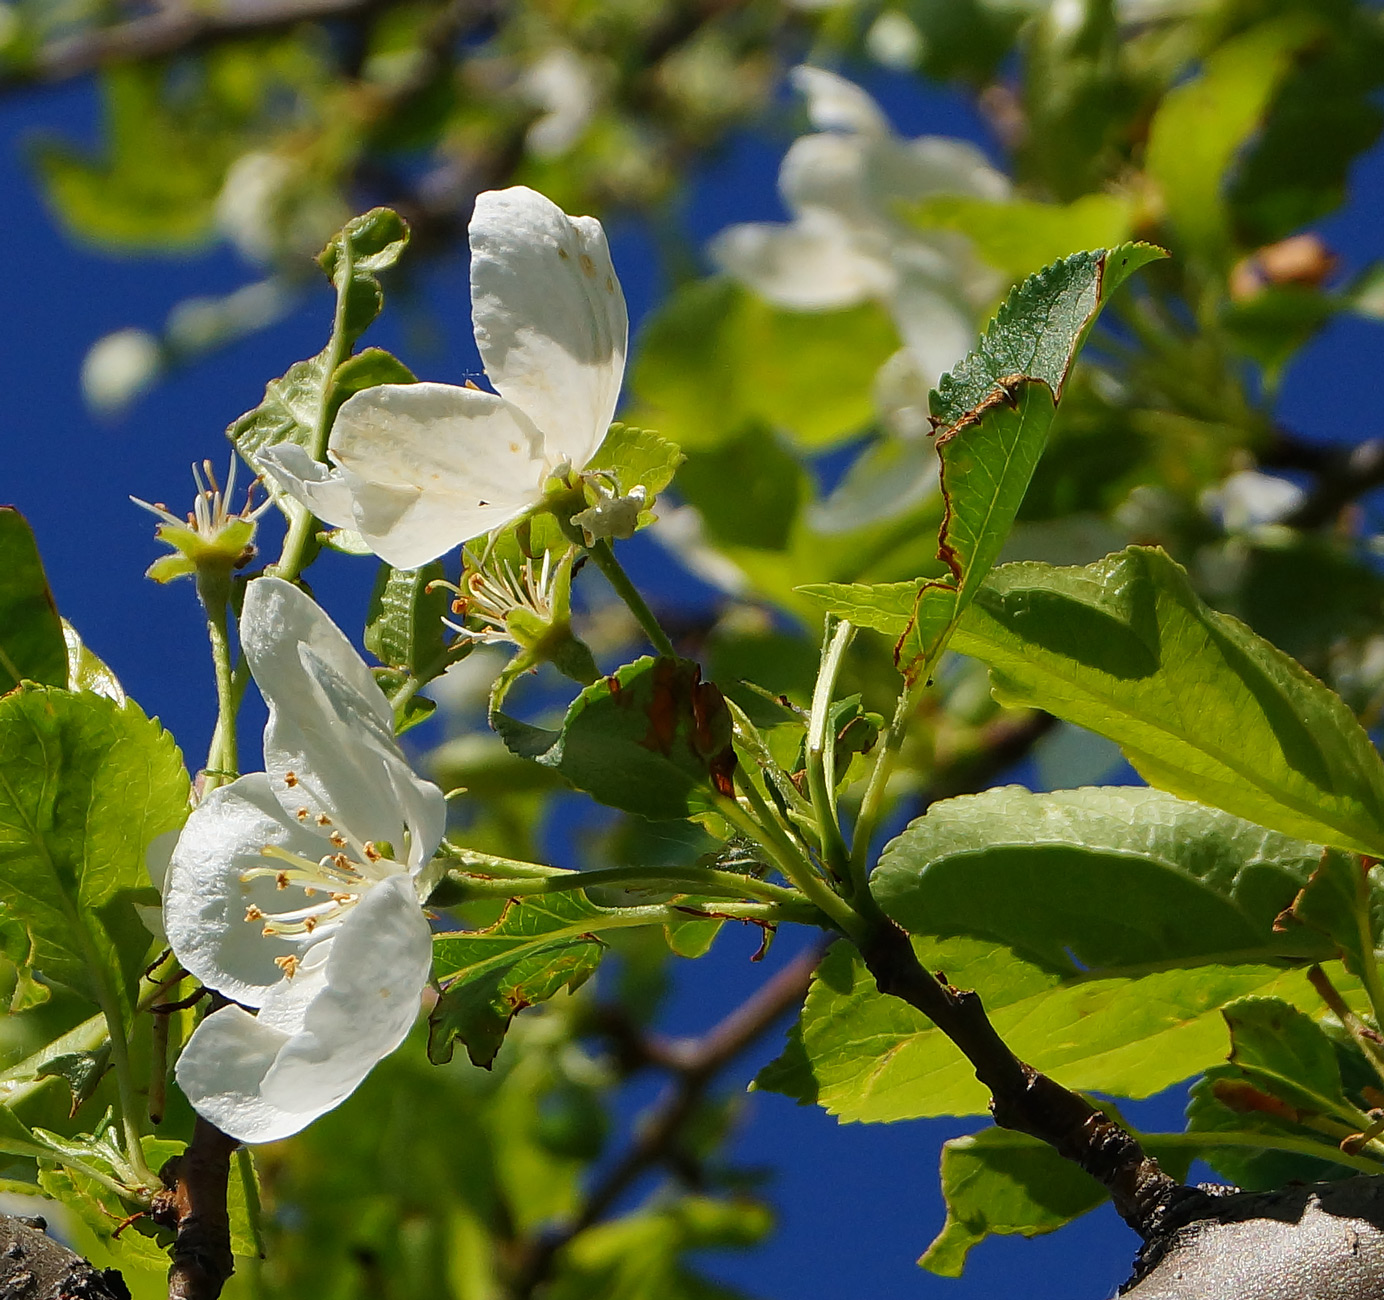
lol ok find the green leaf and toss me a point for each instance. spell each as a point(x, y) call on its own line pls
point(715, 358)
point(998, 1182)
point(1201, 706)
point(992, 414)
point(85, 786)
point(538, 946)
point(31, 639)
point(86, 671)
point(1022, 236)
point(302, 403)
point(369, 369)
point(885, 606)
point(1097, 878)
point(867, 1057)
point(1338, 901)
point(1284, 1052)
point(1202, 124)
point(1222, 1103)
point(353, 259)
point(637, 457)
point(81, 1071)
point(403, 625)
point(652, 738)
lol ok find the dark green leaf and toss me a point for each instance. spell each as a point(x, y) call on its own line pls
point(368, 369)
point(885, 606)
point(1284, 1052)
point(652, 738)
point(1222, 1103)
point(992, 414)
point(537, 947)
point(81, 1071)
point(1200, 705)
point(1339, 903)
point(31, 640)
point(637, 457)
point(87, 784)
point(1096, 877)
point(289, 412)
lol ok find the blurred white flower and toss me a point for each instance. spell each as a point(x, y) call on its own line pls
point(563, 85)
point(847, 242)
point(894, 41)
point(295, 890)
point(119, 367)
point(270, 207)
point(420, 468)
point(1249, 499)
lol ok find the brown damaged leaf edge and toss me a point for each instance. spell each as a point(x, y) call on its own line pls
point(1005, 391)
point(678, 693)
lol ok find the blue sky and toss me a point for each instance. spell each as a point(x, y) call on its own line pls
point(857, 1204)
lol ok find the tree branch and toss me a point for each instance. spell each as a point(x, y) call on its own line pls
point(194, 1204)
point(35, 1267)
point(175, 29)
point(1022, 1098)
point(694, 1063)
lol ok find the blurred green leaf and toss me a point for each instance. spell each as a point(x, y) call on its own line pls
point(403, 625)
point(1200, 705)
point(714, 358)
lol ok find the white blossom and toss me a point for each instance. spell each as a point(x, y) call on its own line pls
point(421, 468)
point(844, 184)
point(294, 891)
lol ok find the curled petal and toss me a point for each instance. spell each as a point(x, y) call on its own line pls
point(430, 466)
point(550, 317)
point(322, 490)
point(831, 172)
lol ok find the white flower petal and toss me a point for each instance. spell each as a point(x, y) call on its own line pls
point(205, 898)
point(933, 165)
point(835, 104)
point(221, 1072)
point(806, 266)
point(322, 490)
point(379, 964)
point(549, 316)
point(433, 465)
point(320, 692)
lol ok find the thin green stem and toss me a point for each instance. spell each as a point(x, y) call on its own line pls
point(699, 879)
point(1369, 960)
point(821, 754)
point(223, 760)
point(489, 864)
point(872, 806)
point(302, 523)
point(1265, 1142)
point(759, 823)
point(604, 558)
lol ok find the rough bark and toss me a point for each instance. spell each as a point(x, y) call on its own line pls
point(1319, 1242)
point(35, 1267)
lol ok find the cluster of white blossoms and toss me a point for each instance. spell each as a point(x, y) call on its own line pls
point(417, 469)
point(845, 183)
point(295, 891)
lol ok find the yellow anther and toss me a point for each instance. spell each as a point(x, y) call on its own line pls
point(302, 814)
point(338, 839)
point(372, 854)
point(323, 819)
point(281, 880)
point(290, 779)
point(289, 965)
point(252, 913)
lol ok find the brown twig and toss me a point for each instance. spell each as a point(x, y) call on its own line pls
point(194, 1204)
point(1022, 1098)
point(35, 1267)
point(695, 1063)
point(174, 29)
